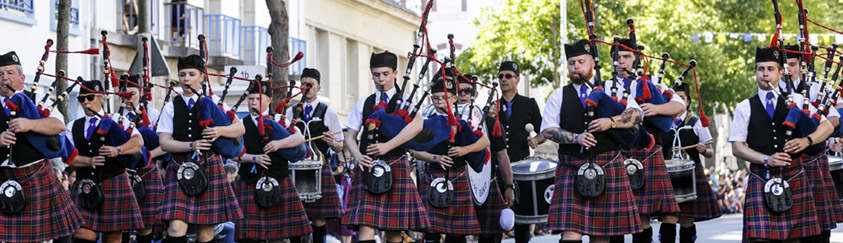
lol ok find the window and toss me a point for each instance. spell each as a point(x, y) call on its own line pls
point(19, 11)
point(74, 17)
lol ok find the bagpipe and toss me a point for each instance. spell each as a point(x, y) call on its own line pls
point(54, 146)
point(602, 105)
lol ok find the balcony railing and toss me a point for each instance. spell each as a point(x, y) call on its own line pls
point(223, 35)
point(254, 40)
point(185, 23)
point(24, 6)
point(297, 46)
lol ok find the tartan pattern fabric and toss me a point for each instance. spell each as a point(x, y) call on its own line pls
point(49, 212)
point(459, 218)
point(329, 206)
point(399, 209)
point(705, 207)
point(288, 219)
point(119, 210)
point(656, 197)
point(829, 210)
point(799, 221)
point(612, 213)
point(489, 214)
point(217, 204)
point(150, 204)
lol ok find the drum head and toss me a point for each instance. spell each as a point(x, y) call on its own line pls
point(480, 183)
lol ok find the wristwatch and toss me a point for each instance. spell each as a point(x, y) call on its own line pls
point(509, 186)
point(613, 122)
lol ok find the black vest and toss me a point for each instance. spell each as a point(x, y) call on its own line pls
point(573, 119)
point(254, 145)
point(90, 148)
point(687, 137)
point(368, 109)
point(765, 135)
point(442, 149)
point(185, 122)
point(316, 128)
point(23, 152)
point(516, 135)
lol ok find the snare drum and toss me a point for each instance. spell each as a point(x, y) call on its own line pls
point(307, 176)
point(683, 179)
point(534, 179)
point(835, 165)
point(479, 183)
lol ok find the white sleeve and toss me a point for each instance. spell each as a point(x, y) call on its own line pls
point(740, 123)
point(702, 133)
point(354, 121)
point(550, 116)
point(832, 112)
point(54, 113)
point(333, 123)
point(68, 131)
point(153, 114)
point(225, 106)
point(165, 124)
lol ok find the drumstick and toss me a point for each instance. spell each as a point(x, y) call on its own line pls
point(320, 136)
point(691, 146)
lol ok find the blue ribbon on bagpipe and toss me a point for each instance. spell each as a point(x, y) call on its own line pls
point(275, 131)
point(53, 146)
point(647, 92)
point(803, 125)
point(150, 142)
point(636, 137)
point(211, 115)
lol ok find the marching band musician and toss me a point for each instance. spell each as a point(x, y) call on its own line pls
point(613, 210)
point(759, 137)
point(117, 209)
point(288, 219)
point(655, 197)
point(181, 135)
point(400, 208)
point(458, 219)
point(320, 120)
point(829, 209)
point(705, 207)
point(514, 112)
point(48, 207)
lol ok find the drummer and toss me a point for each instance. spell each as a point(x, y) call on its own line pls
point(445, 160)
point(613, 212)
point(320, 120)
point(515, 111)
point(400, 208)
point(772, 156)
point(828, 205)
point(691, 132)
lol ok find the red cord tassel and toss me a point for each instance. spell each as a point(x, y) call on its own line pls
point(92, 51)
point(496, 131)
point(206, 123)
point(703, 119)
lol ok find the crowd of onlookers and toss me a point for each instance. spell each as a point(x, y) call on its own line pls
point(730, 187)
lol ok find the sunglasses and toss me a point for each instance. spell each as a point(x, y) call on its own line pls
point(507, 76)
point(467, 91)
point(83, 98)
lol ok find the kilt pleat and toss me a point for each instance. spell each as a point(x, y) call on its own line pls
point(705, 207)
point(656, 197)
point(399, 209)
point(612, 213)
point(489, 214)
point(150, 204)
point(217, 204)
point(329, 206)
point(829, 210)
point(459, 218)
point(49, 214)
point(286, 220)
point(799, 221)
point(119, 210)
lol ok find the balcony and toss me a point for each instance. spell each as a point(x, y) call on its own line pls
point(185, 23)
point(255, 39)
point(223, 35)
point(20, 11)
point(297, 46)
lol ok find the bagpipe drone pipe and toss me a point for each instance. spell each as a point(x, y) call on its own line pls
point(604, 106)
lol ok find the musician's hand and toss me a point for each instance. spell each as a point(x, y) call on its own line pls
point(532, 142)
point(457, 151)
point(444, 161)
point(835, 145)
point(377, 149)
point(365, 161)
point(599, 125)
point(7, 138)
point(795, 145)
point(328, 138)
point(201, 145)
point(20, 125)
point(97, 161)
point(340, 170)
point(586, 139)
point(509, 197)
point(108, 151)
point(210, 134)
point(272, 146)
point(701, 147)
point(649, 109)
point(779, 160)
point(263, 160)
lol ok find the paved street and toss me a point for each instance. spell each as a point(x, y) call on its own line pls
point(723, 229)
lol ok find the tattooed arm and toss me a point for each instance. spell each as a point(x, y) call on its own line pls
point(627, 119)
point(561, 136)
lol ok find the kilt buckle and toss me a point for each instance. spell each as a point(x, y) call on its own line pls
point(777, 195)
point(90, 194)
point(440, 194)
point(137, 186)
point(590, 180)
point(13, 200)
point(378, 179)
point(635, 171)
point(192, 178)
point(267, 192)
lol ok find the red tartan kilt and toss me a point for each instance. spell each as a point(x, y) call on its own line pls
point(49, 212)
point(612, 213)
point(459, 218)
point(119, 210)
point(150, 205)
point(656, 197)
point(398, 209)
point(705, 207)
point(828, 205)
point(489, 214)
point(217, 204)
point(288, 219)
point(329, 206)
point(799, 221)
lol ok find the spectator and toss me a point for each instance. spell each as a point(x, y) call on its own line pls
point(225, 231)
